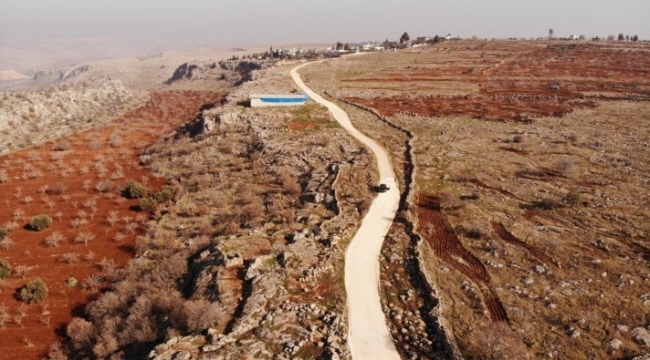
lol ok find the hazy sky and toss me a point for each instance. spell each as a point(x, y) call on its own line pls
point(259, 22)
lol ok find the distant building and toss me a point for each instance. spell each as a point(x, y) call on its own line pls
point(278, 100)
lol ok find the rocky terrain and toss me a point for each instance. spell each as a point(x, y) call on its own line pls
point(234, 72)
point(524, 229)
point(30, 118)
point(266, 201)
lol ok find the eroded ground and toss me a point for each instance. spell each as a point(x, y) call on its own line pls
point(529, 197)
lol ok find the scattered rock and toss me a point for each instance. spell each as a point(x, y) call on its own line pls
point(615, 344)
point(641, 336)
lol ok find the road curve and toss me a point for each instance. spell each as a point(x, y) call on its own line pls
point(368, 335)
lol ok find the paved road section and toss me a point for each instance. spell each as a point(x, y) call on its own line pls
point(368, 335)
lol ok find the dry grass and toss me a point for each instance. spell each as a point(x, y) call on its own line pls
point(571, 188)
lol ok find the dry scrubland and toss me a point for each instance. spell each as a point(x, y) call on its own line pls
point(79, 182)
point(272, 197)
point(237, 245)
point(30, 118)
point(530, 203)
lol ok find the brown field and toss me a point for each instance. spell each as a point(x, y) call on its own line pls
point(78, 186)
point(531, 200)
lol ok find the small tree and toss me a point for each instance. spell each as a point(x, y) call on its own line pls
point(136, 191)
point(40, 222)
point(5, 268)
point(34, 291)
point(405, 37)
point(3, 233)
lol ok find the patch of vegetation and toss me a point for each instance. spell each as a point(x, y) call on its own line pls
point(147, 204)
point(40, 222)
point(5, 268)
point(136, 191)
point(3, 233)
point(165, 194)
point(34, 291)
point(71, 282)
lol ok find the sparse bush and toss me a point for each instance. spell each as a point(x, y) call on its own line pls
point(69, 258)
point(6, 243)
point(112, 218)
point(84, 237)
point(104, 186)
point(565, 166)
point(34, 291)
point(136, 191)
point(3, 233)
point(21, 271)
point(546, 204)
point(5, 268)
point(54, 239)
point(71, 282)
point(572, 198)
point(40, 222)
point(61, 146)
point(57, 189)
point(115, 140)
point(518, 139)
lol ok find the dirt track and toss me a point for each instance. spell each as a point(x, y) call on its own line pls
point(368, 335)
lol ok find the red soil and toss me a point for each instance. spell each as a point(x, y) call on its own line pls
point(442, 238)
point(302, 125)
point(141, 127)
point(519, 89)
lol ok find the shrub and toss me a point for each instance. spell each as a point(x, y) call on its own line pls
point(572, 198)
point(147, 204)
point(71, 282)
point(3, 233)
point(136, 191)
point(34, 291)
point(54, 239)
point(166, 193)
point(518, 139)
point(57, 189)
point(61, 146)
point(40, 222)
point(565, 166)
point(5, 268)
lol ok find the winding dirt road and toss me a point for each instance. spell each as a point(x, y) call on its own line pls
point(368, 335)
